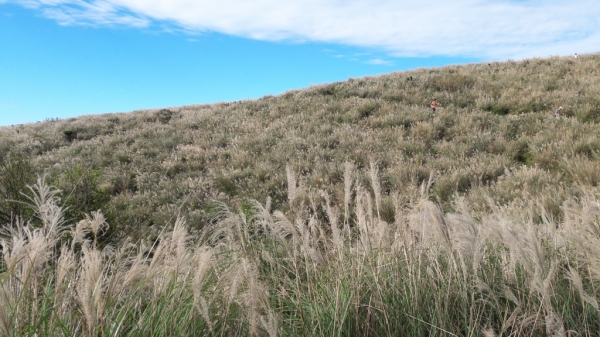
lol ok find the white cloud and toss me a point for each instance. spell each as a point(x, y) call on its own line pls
point(79, 12)
point(493, 29)
point(378, 61)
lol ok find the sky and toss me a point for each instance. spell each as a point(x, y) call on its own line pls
point(66, 58)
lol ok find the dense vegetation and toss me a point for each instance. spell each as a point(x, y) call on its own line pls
point(342, 209)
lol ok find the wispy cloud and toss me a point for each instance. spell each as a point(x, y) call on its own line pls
point(9, 106)
point(481, 28)
point(381, 62)
point(79, 12)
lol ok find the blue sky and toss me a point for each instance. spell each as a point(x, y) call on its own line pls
point(65, 58)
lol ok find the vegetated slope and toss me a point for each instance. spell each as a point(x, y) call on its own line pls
point(386, 220)
point(494, 136)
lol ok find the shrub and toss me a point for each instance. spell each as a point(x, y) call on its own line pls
point(591, 115)
point(70, 135)
point(496, 108)
point(327, 90)
point(532, 106)
point(164, 116)
point(521, 153)
point(226, 185)
point(451, 82)
point(16, 173)
point(367, 110)
point(83, 191)
point(589, 149)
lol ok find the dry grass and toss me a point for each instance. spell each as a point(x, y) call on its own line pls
point(260, 272)
point(380, 218)
point(141, 168)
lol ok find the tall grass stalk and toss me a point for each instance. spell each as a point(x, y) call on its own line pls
point(261, 273)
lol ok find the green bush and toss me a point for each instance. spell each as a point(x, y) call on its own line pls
point(70, 135)
point(16, 173)
point(520, 153)
point(496, 108)
point(83, 191)
point(451, 82)
point(164, 116)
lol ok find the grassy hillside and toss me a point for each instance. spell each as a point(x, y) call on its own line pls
point(141, 168)
point(347, 208)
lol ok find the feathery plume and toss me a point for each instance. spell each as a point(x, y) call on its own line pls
point(374, 173)
point(348, 176)
point(292, 184)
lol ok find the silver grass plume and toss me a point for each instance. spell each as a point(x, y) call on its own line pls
point(348, 176)
point(333, 216)
point(374, 173)
point(292, 184)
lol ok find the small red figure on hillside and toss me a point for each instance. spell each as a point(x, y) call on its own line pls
point(434, 105)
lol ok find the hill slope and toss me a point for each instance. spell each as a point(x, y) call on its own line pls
point(385, 218)
point(142, 167)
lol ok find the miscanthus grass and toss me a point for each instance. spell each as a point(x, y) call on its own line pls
point(141, 168)
point(382, 218)
point(321, 268)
